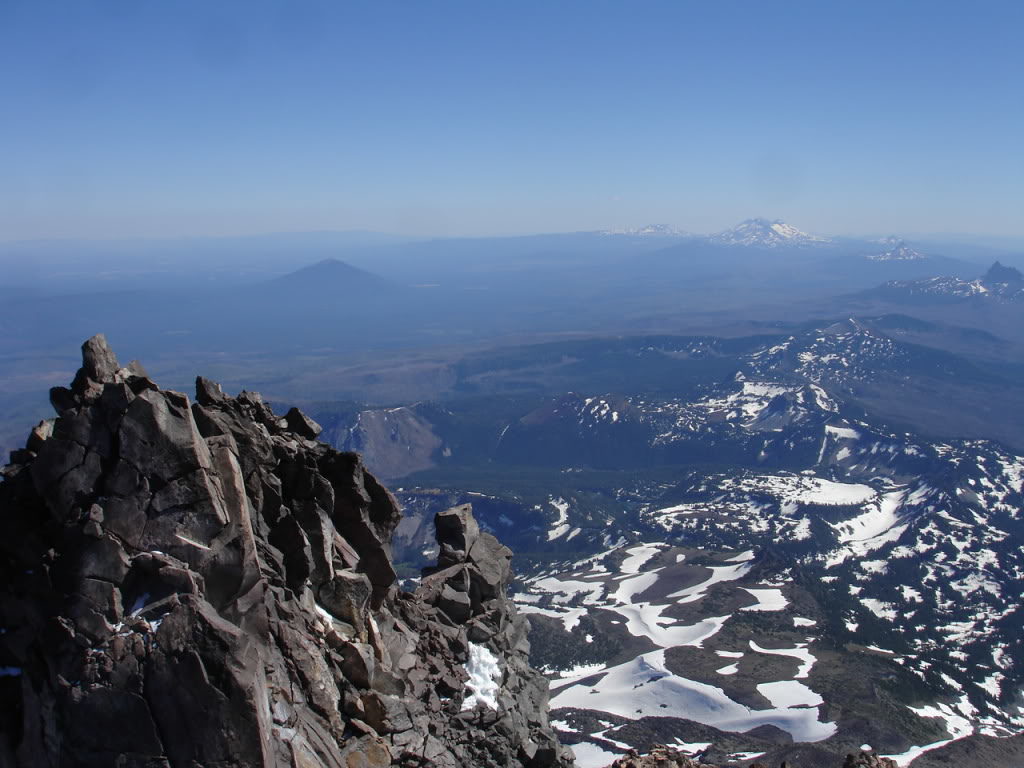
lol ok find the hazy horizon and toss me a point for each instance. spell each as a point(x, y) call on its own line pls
point(458, 119)
point(979, 237)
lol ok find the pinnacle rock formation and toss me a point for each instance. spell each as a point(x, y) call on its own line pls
point(189, 584)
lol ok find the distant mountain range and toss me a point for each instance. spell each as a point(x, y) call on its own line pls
point(999, 283)
point(757, 233)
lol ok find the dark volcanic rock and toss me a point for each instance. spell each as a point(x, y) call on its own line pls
point(659, 757)
point(997, 273)
point(201, 584)
point(868, 760)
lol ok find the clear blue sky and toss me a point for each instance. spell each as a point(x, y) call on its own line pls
point(160, 117)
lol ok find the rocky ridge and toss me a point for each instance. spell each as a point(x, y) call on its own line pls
point(203, 583)
point(999, 283)
point(666, 757)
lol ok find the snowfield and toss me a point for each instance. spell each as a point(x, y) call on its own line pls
point(640, 688)
point(767, 599)
point(805, 490)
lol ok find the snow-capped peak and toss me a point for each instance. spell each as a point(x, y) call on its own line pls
point(766, 234)
point(896, 250)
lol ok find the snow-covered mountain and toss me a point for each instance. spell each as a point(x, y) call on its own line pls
point(896, 249)
point(838, 355)
point(763, 233)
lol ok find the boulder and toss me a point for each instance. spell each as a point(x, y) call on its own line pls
point(346, 596)
point(302, 425)
point(455, 604)
point(457, 528)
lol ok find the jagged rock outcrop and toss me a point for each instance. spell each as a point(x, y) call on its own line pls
point(658, 757)
point(201, 583)
point(868, 760)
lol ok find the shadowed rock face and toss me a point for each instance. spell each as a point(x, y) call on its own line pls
point(201, 583)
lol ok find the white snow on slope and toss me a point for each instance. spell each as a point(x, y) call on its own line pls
point(718, 575)
point(742, 557)
point(638, 555)
point(570, 617)
point(561, 526)
point(767, 600)
point(749, 401)
point(629, 588)
point(564, 590)
point(842, 432)
point(645, 620)
point(881, 609)
point(957, 726)
point(691, 748)
point(878, 525)
point(806, 658)
point(577, 673)
point(640, 687)
point(803, 489)
point(789, 693)
point(589, 755)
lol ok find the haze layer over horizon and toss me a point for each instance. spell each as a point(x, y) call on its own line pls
point(456, 118)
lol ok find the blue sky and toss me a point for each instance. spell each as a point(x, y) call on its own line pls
point(148, 118)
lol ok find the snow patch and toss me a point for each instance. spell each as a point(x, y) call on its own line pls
point(806, 658)
point(561, 526)
point(644, 687)
point(589, 755)
point(767, 600)
point(484, 676)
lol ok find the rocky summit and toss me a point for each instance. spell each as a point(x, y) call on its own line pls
point(203, 584)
